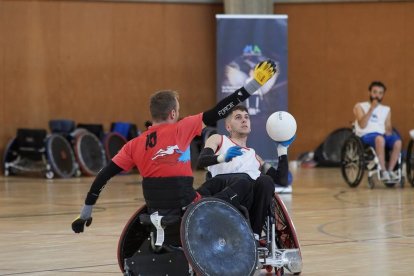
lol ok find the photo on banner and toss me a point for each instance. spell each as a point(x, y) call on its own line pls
point(242, 42)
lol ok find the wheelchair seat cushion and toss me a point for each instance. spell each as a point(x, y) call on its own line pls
point(63, 127)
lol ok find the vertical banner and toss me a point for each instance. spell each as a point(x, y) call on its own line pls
point(242, 42)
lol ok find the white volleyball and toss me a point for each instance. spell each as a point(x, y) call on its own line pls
point(281, 126)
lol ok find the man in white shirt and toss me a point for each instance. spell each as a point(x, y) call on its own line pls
point(228, 157)
point(373, 125)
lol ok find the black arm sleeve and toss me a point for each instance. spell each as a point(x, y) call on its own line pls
point(207, 158)
point(280, 175)
point(223, 107)
point(99, 183)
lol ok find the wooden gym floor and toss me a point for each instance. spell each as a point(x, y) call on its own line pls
point(342, 231)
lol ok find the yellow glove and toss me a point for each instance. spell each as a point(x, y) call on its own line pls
point(264, 71)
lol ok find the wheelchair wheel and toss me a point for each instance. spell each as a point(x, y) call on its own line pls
point(132, 237)
point(285, 235)
point(89, 152)
point(60, 156)
point(402, 182)
point(217, 239)
point(10, 155)
point(113, 143)
point(285, 230)
point(137, 255)
point(352, 161)
point(410, 163)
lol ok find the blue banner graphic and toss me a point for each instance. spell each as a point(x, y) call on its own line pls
point(242, 42)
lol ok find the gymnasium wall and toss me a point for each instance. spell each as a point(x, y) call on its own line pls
point(335, 51)
point(98, 62)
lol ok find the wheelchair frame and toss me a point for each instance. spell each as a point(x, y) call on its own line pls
point(280, 251)
point(356, 157)
point(409, 163)
point(26, 153)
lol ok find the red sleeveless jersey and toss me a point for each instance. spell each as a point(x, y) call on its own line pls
point(163, 150)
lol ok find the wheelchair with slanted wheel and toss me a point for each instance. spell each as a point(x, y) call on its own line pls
point(410, 159)
point(211, 237)
point(356, 157)
point(33, 152)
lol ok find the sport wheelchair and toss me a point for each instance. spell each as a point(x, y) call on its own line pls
point(211, 238)
point(92, 147)
point(356, 157)
point(410, 159)
point(32, 151)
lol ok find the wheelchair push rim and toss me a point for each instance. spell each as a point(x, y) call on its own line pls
point(352, 161)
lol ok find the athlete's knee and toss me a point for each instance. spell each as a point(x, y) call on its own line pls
point(265, 184)
point(229, 195)
point(241, 186)
point(397, 145)
point(379, 140)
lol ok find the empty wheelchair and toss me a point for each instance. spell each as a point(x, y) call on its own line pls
point(211, 238)
point(356, 157)
point(26, 154)
point(410, 159)
point(32, 151)
point(89, 152)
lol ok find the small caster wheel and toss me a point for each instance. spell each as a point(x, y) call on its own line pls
point(371, 182)
point(49, 175)
point(269, 268)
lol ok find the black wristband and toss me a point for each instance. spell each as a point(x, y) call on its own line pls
point(207, 158)
point(280, 175)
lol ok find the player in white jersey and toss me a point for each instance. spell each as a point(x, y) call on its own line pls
point(229, 157)
point(373, 125)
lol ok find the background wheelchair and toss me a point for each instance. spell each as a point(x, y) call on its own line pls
point(410, 159)
point(93, 147)
point(211, 238)
point(356, 157)
point(88, 151)
point(33, 152)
